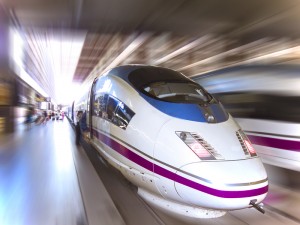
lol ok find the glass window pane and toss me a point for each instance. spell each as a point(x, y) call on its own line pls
point(123, 116)
point(178, 92)
point(111, 107)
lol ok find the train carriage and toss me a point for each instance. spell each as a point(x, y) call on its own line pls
point(174, 141)
point(265, 101)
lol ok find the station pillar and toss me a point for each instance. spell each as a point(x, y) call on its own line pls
point(7, 78)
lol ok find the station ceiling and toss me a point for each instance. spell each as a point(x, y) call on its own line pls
point(192, 36)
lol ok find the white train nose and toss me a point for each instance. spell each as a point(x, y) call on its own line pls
point(230, 185)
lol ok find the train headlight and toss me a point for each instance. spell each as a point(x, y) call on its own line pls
point(198, 145)
point(246, 144)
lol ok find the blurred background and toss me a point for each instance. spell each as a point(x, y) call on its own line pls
point(50, 48)
point(246, 53)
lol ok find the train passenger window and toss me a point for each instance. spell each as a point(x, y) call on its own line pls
point(123, 116)
point(112, 104)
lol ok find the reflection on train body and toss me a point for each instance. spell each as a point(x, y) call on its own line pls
point(265, 100)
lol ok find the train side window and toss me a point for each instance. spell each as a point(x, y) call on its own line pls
point(110, 108)
point(112, 104)
point(123, 116)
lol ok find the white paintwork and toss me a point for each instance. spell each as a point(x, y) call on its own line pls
point(151, 135)
point(237, 173)
point(182, 210)
point(274, 156)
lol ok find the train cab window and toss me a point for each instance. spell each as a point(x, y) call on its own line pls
point(112, 104)
point(122, 116)
point(180, 92)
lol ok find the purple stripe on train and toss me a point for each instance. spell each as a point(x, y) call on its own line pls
point(275, 143)
point(173, 176)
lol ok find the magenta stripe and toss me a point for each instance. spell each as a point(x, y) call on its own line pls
point(173, 176)
point(124, 151)
point(223, 194)
point(275, 143)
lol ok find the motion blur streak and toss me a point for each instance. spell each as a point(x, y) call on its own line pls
point(265, 100)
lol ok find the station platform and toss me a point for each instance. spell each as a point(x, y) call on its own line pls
point(46, 179)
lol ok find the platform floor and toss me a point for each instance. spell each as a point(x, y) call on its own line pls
point(46, 179)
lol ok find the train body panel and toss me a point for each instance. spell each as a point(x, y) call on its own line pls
point(237, 181)
point(277, 143)
point(134, 133)
point(201, 179)
point(229, 150)
point(174, 141)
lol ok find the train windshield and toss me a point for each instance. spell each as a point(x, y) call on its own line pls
point(179, 92)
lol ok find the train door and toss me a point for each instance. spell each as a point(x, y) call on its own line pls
point(88, 113)
point(90, 109)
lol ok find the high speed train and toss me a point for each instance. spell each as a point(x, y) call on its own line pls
point(174, 141)
point(265, 101)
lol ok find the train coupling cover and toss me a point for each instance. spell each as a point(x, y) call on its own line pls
point(259, 207)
